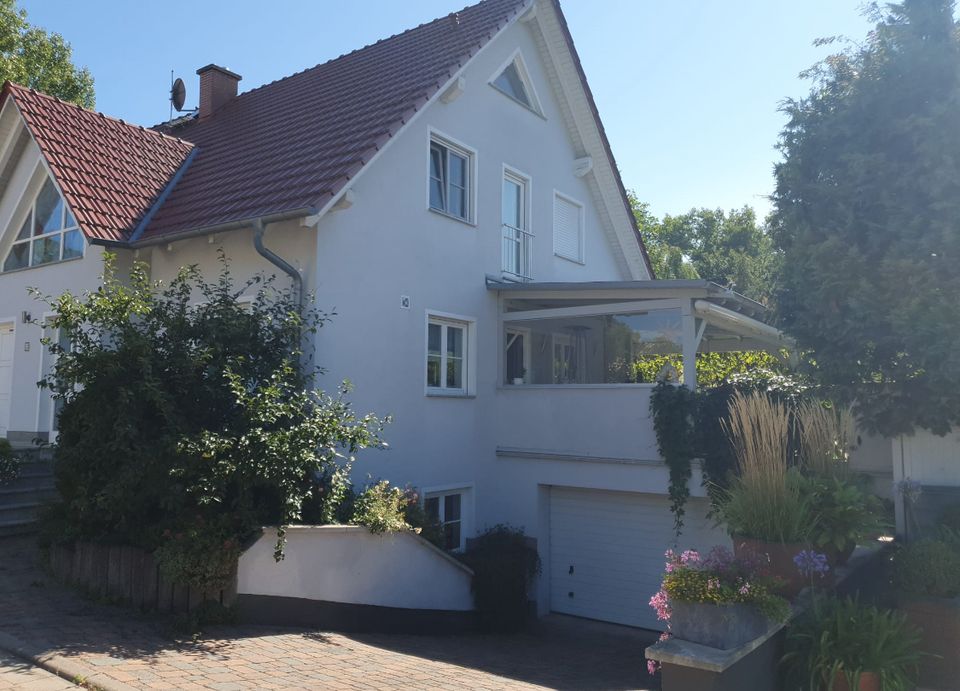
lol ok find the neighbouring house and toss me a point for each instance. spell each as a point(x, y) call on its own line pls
point(451, 193)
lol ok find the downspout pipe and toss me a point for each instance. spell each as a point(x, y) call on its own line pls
point(278, 261)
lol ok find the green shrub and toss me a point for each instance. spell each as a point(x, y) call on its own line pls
point(505, 565)
point(845, 513)
point(417, 518)
point(380, 508)
point(9, 463)
point(178, 400)
point(845, 636)
point(928, 568)
point(201, 555)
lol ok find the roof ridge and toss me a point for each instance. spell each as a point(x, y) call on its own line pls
point(378, 42)
point(13, 87)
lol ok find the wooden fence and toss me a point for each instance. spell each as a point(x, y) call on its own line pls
point(130, 575)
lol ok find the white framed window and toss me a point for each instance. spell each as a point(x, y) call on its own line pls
point(450, 355)
point(512, 79)
point(448, 508)
point(567, 228)
point(517, 240)
point(517, 356)
point(49, 233)
point(451, 178)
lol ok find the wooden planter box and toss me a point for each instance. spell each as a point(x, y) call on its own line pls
point(938, 620)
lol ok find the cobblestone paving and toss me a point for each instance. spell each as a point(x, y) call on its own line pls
point(17, 674)
point(116, 648)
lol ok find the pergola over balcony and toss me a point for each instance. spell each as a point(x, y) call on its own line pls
point(589, 334)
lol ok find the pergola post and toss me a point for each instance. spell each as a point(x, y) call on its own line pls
point(688, 327)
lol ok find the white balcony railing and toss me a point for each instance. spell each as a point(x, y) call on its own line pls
point(517, 245)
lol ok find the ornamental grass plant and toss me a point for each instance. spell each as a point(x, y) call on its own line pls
point(825, 434)
point(766, 501)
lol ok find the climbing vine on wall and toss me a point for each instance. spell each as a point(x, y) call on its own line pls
point(688, 425)
point(674, 412)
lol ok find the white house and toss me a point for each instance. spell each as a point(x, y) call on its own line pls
point(451, 193)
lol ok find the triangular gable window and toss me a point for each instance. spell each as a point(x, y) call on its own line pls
point(514, 81)
point(48, 234)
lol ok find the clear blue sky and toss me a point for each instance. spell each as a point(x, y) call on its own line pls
point(688, 91)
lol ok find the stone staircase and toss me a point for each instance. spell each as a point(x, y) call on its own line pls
point(21, 499)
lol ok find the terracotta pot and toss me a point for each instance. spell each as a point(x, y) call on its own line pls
point(780, 557)
point(869, 681)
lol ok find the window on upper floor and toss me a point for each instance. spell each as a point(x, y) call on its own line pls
point(451, 179)
point(449, 356)
point(49, 233)
point(567, 228)
point(513, 80)
point(517, 240)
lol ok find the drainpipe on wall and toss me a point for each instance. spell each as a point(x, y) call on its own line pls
point(278, 261)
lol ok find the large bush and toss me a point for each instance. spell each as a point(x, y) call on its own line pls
point(181, 402)
point(505, 565)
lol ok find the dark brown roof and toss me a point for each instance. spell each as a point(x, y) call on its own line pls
point(293, 144)
point(110, 172)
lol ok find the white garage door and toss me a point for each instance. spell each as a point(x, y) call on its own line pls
point(606, 551)
point(6, 375)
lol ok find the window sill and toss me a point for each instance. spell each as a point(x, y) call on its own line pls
point(452, 217)
point(441, 393)
point(578, 262)
point(41, 266)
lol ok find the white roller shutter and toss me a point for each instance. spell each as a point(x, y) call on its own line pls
point(606, 551)
point(567, 228)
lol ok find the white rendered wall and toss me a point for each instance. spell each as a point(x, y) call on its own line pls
point(30, 407)
point(352, 565)
point(388, 245)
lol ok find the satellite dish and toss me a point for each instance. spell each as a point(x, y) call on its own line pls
point(178, 94)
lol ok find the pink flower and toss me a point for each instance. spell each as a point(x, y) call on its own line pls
point(690, 556)
point(713, 583)
point(652, 667)
point(744, 589)
point(661, 604)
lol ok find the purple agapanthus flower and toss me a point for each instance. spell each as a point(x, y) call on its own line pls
point(812, 563)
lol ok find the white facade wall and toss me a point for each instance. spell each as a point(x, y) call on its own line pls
point(30, 407)
point(352, 565)
point(389, 244)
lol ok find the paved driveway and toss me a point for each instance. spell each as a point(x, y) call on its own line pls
point(116, 648)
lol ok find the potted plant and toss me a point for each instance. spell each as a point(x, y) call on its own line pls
point(926, 575)
point(718, 601)
point(845, 516)
point(843, 645)
point(517, 381)
point(766, 508)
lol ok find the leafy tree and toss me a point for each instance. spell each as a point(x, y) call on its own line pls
point(32, 57)
point(867, 215)
point(185, 410)
point(729, 248)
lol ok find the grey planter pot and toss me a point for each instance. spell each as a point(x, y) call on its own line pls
point(717, 626)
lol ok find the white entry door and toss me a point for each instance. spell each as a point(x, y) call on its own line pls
point(6, 375)
point(606, 551)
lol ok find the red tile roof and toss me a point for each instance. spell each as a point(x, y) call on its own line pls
point(293, 144)
point(110, 172)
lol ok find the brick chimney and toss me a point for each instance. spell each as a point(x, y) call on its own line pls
point(218, 86)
